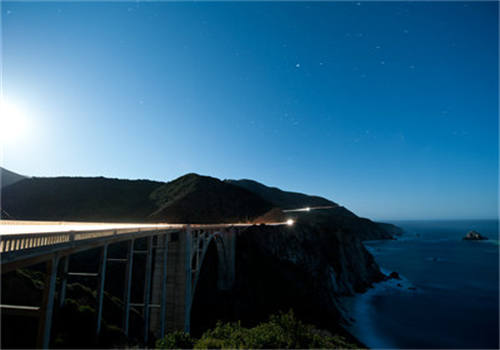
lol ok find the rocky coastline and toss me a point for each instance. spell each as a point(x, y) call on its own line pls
point(308, 268)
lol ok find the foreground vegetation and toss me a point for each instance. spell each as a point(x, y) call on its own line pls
point(283, 331)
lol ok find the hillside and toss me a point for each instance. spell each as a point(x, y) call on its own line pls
point(279, 198)
point(190, 198)
point(203, 199)
point(338, 216)
point(79, 198)
point(8, 177)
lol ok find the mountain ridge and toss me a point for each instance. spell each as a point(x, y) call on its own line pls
point(209, 198)
point(280, 198)
point(191, 198)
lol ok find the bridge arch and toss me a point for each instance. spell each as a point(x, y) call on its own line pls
point(201, 242)
point(223, 262)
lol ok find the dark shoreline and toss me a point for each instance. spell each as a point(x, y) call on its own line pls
point(448, 273)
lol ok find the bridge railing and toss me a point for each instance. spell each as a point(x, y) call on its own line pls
point(15, 242)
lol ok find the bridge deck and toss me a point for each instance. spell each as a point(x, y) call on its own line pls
point(26, 242)
point(10, 227)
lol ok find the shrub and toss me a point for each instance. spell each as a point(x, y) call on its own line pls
point(176, 340)
point(225, 336)
point(282, 331)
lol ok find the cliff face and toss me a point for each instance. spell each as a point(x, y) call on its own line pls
point(391, 229)
point(306, 267)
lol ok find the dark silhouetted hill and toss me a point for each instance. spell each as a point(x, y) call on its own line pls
point(79, 198)
point(338, 216)
point(190, 198)
point(203, 199)
point(279, 198)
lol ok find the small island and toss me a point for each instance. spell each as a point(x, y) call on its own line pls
point(474, 236)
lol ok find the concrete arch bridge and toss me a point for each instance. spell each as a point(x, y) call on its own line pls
point(174, 255)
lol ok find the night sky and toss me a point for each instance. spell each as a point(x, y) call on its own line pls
point(390, 109)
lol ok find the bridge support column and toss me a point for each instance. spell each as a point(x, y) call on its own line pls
point(188, 283)
point(128, 285)
point(227, 259)
point(164, 287)
point(233, 234)
point(64, 281)
point(100, 286)
point(159, 287)
point(147, 287)
point(176, 282)
point(47, 307)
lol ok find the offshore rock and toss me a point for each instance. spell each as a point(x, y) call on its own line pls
point(474, 236)
point(394, 275)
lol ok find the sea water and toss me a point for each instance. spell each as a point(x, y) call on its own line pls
point(448, 293)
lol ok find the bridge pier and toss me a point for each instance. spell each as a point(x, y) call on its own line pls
point(100, 286)
point(47, 307)
point(159, 287)
point(189, 276)
point(227, 259)
point(164, 287)
point(169, 284)
point(147, 287)
point(127, 286)
point(64, 281)
point(233, 233)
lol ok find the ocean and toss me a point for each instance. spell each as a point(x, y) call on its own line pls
point(448, 293)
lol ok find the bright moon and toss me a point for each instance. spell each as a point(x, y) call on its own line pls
point(13, 125)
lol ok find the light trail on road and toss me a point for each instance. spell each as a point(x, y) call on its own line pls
point(307, 209)
point(13, 227)
point(23, 227)
point(9, 227)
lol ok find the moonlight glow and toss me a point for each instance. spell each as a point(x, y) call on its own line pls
point(13, 124)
